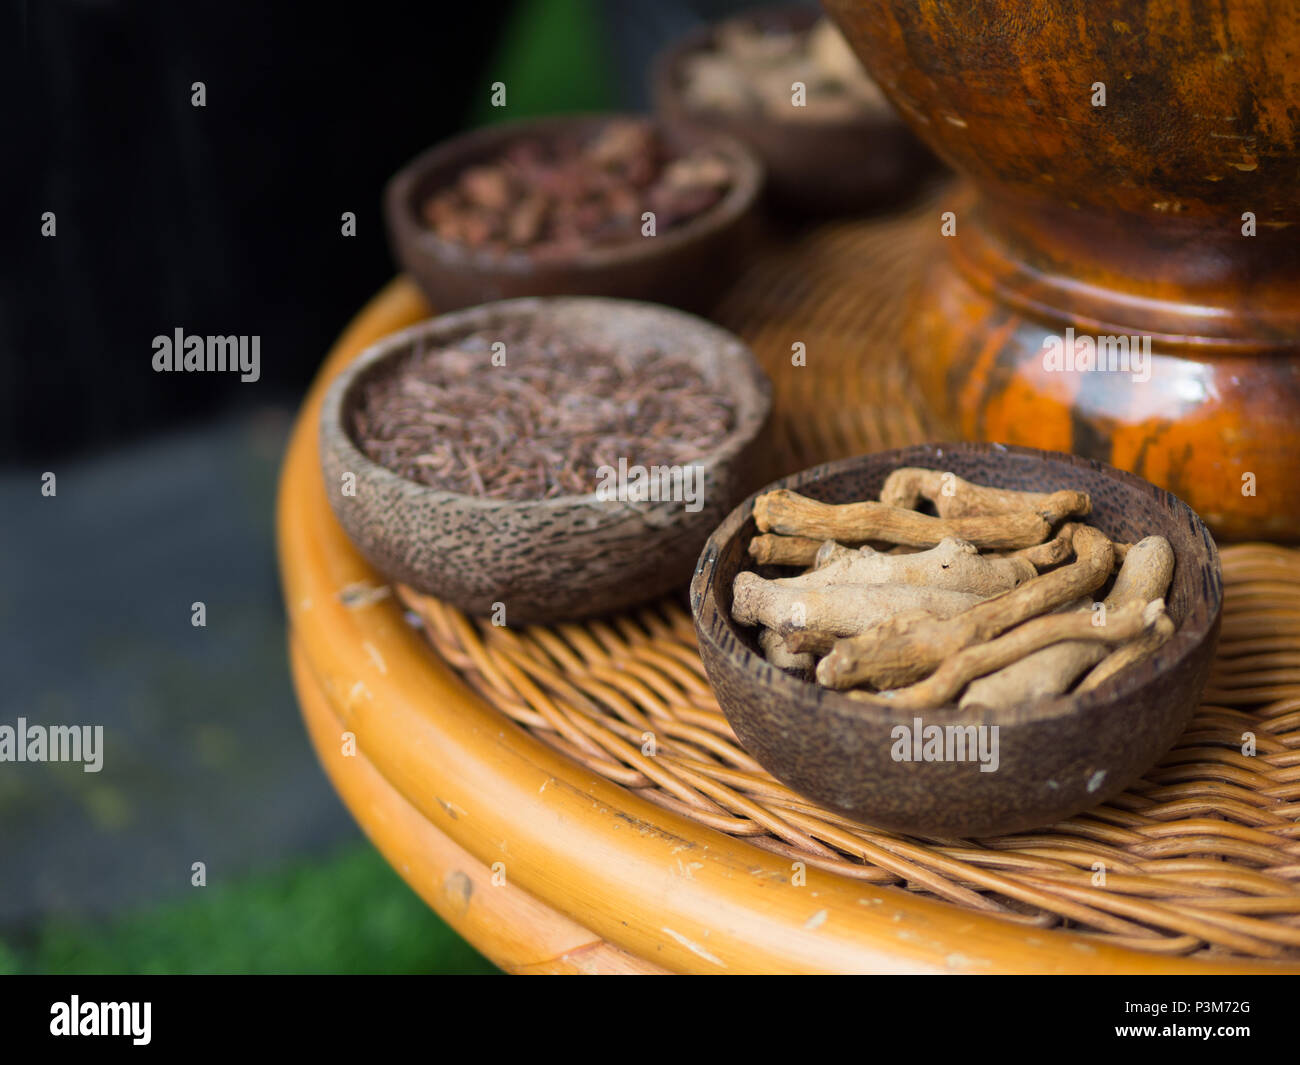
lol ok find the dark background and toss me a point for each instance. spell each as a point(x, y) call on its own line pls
point(226, 219)
point(222, 219)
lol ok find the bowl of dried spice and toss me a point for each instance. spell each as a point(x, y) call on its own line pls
point(959, 639)
point(784, 81)
point(600, 205)
point(543, 459)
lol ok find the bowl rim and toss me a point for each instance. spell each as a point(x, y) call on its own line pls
point(665, 78)
point(1190, 635)
point(748, 174)
point(745, 381)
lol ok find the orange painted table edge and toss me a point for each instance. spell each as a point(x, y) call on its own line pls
point(619, 870)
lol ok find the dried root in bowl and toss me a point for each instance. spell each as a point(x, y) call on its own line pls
point(772, 550)
point(1144, 575)
point(904, 649)
point(989, 603)
point(779, 653)
point(1134, 620)
point(954, 497)
point(791, 514)
point(837, 609)
point(953, 564)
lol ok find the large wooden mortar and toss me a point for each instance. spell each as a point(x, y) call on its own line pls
point(1131, 219)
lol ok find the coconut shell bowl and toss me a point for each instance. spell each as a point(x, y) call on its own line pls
point(684, 265)
point(1055, 757)
point(1130, 172)
point(553, 559)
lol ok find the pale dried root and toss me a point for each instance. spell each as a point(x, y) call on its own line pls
point(1039, 675)
point(772, 550)
point(791, 514)
point(1146, 572)
point(1127, 655)
point(816, 642)
point(840, 610)
point(1145, 575)
point(1058, 549)
point(779, 654)
point(830, 552)
point(879, 614)
point(955, 565)
point(1050, 553)
point(954, 497)
point(903, 649)
point(1126, 623)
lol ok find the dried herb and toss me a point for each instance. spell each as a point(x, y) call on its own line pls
point(553, 198)
point(541, 425)
point(751, 70)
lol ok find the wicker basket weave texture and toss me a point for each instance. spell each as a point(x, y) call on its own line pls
point(1201, 857)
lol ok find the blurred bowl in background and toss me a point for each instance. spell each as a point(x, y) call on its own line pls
point(844, 162)
point(686, 265)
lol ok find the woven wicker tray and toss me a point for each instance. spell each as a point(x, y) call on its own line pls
point(501, 771)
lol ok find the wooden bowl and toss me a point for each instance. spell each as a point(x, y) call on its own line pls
point(1056, 757)
point(547, 560)
point(813, 168)
point(685, 266)
point(1165, 210)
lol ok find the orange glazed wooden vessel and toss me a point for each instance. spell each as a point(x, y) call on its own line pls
point(1132, 170)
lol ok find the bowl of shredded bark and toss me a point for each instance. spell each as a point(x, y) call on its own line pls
point(955, 640)
point(538, 460)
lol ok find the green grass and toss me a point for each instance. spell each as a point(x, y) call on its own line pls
point(348, 913)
